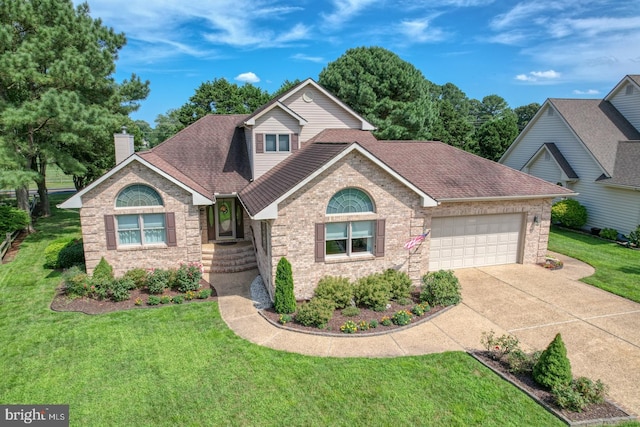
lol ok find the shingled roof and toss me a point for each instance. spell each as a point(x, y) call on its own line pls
point(211, 154)
point(600, 127)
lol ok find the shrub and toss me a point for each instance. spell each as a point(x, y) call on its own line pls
point(425, 306)
point(72, 254)
point(103, 270)
point(373, 292)
point(363, 325)
point(373, 324)
point(76, 282)
point(592, 392)
point(316, 312)
point(553, 368)
point(100, 287)
point(579, 394)
point(634, 237)
point(153, 300)
point(399, 282)
point(609, 233)
point(349, 327)
point(178, 299)
point(440, 288)
point(386, 321)
point(189, 295)
point(284, 319)
point(138, 301)
point(284, 301)
point(417, 310)
point(138, 276)
point(402, 317)
point(499, 346)
point(52, 252)
point(570, 213)
point(404, 301)
point(203, 294)
point(119, 289)
point(165, 299)
point(12, 219)
point(522, 363)
point(187, 277)
point(337, 289)
point(158, 280)
point(350, 311)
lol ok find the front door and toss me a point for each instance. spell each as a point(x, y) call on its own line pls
point(225, 219)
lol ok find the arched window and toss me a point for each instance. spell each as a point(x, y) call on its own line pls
point(138, 195)
point(349, 200)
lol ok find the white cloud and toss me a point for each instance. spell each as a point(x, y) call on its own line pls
point(248, 77)
point(419, 31)
point(344, 11)
point(303, 57)
point(586, 92)
point(537, 76)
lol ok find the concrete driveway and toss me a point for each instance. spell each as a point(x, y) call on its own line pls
point(601, 331)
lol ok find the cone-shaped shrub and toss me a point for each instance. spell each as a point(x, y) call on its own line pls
point(285, 300)
point(553, 368)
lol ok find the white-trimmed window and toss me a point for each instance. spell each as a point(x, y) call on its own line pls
point(141, 229)
point(277, 143)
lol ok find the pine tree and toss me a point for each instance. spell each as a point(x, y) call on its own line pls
point(285, 300)
point(553, 368)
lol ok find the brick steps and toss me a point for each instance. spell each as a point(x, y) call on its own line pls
point(217, 258)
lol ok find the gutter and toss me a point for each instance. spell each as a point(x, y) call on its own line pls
point(500, 198)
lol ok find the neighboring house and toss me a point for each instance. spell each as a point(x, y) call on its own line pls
point(591, 146)
point(304, 178)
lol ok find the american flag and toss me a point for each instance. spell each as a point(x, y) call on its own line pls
point(415, 240)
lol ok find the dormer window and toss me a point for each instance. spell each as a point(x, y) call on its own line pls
point(276, 143)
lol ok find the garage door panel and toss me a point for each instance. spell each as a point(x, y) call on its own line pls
point(472, 241)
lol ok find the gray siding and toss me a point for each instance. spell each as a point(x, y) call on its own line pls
point(543, 166)
point(606, 206)
point(321, 113)
point(628, 104)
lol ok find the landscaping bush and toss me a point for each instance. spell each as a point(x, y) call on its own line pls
point(402, 317)
point(12, 219)
point(103, 270)
point(399, 282)
point(522, 363)
point(316, 312)
point(373, 292)
point(349, 327)
point(570, 213)
point(440, 288)
point(187, 277)
point(178, 299)
point(337, 289)
point(553, 368)
point(72, 254)
point(100, 287)
point(139, 277)
point(498, 347)
point(52, 252)
point(351, 311)
point(153, 300)
point(204, 294)
point(579, 394)
point(158, 281)
point(119, 289)
point(75, 282)
point(634, 237)
point(609, 233)
point(285, 300)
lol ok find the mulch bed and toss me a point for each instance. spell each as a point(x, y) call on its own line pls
point(61, 302)
point(333, 327)
point(597, 414)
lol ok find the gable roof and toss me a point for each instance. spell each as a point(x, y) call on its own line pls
point(436, 171)
point(560, 160)
point(630, 78)
point(212, 152)
point(598, 125)
point(278, 102)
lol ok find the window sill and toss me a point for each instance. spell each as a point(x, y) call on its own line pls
point(352, 258)
point(128, 248)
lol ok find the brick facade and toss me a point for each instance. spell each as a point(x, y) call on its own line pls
point(292, 234)
point(100, 201)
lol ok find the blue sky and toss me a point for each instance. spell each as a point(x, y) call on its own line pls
point(525, 51)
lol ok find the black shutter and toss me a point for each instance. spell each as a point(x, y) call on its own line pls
point(380, 229)
point(320, 245)
point(110, 230)
point(170, 220)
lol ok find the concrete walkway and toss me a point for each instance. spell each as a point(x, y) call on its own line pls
point(601, 331)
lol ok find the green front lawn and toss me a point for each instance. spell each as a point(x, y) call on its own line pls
point(617, 267)
point(181, 365)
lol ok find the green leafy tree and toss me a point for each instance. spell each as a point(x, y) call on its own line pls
point(221, 97)
point(286, 85)
point(525, 113)
point(285, 300)
point(390, 93)
point(494, 136)
point(553, 368)
point(167, 125)
point(58, 100)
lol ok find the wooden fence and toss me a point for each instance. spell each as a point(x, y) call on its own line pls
point(6, 244)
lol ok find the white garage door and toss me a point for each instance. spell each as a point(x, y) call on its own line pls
point(474, 241)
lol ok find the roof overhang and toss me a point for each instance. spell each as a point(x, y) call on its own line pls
point(271, 211)
point(75, 201)
point(252, 119)
point(504, 198)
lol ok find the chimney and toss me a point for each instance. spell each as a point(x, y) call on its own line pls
point(124, 145)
